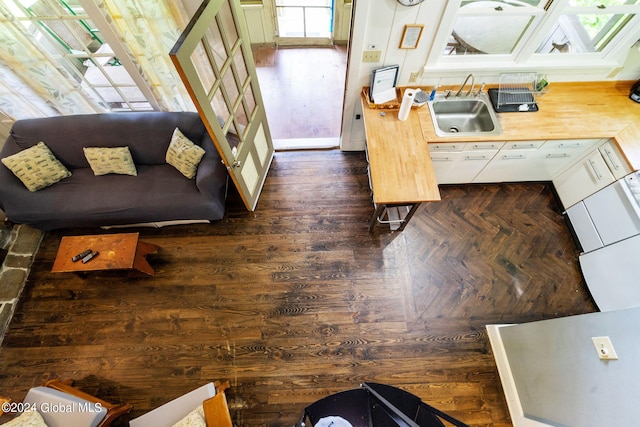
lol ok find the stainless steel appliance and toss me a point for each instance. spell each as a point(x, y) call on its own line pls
point(611, 274)
point(607, 225)
point(635, 91)
point(608, 216)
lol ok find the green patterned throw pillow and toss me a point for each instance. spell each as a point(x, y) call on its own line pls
point(37, 167)
point(104, 161)
point(183, 154)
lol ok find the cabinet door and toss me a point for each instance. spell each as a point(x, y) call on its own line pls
point(459, 168)
point(614, 159)
point(453, 166)
point(511, 165)
point(516, 161)
point(583, 179)
point(561, 154)
point(443, 165)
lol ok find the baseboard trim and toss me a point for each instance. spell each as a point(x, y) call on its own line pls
point(306, 144)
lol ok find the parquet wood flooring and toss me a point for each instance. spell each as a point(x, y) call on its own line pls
point(298, 300)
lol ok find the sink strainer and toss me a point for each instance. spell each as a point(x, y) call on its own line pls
point(454, 129)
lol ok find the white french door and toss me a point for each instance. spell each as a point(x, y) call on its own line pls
point(213, 57)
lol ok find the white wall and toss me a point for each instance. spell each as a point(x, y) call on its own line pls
point(260, 22)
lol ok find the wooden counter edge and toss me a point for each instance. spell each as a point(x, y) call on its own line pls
point(426, 186)
point(628, 140)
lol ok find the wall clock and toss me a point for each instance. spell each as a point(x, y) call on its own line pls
point(410, 2)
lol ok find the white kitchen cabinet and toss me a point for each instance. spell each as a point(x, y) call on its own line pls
point(460, 163)
point(599, 169)
point(534, 160)
point(516, 161)
point(614, 159)
point(558, 155)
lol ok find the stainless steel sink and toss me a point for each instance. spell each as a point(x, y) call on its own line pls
point(464, 116)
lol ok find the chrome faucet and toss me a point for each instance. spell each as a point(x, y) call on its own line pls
point(465, 83)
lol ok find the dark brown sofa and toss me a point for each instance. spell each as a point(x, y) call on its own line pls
point(158, 193)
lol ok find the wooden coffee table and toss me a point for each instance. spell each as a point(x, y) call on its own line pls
point(121, 251)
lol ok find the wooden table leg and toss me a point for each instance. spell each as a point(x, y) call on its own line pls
point(412, 211)
point(140, 263)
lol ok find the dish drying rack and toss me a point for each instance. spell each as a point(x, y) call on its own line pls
point(518, 92)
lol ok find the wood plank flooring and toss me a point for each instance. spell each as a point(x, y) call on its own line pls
point(303, 89)
point(298, 300)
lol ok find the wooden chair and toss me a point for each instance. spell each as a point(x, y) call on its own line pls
point(210, 396)
point(85, 409)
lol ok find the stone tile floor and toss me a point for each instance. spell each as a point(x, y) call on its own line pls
point(19, 244)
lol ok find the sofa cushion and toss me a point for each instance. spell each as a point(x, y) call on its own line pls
point(183, 154)
point(104, 160)
point(37, 167)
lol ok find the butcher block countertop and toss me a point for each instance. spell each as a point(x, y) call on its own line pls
point(399, 158)
point(568, 111)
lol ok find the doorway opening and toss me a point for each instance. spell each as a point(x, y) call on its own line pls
point(303, 90)
point(303, 74)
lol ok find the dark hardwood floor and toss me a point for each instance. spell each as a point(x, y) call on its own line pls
point(298, 300)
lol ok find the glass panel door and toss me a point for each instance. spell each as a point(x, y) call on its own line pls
point(304, 21)
point(213, 57)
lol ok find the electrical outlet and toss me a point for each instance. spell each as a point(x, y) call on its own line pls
point(604, 347)
point(371, 55)
point(413, 77)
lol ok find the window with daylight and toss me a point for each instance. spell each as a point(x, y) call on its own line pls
point(546, 33)
point(61, 33)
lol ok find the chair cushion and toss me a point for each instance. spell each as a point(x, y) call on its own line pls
point(60, 409)
point(37, 167)
point(194, 418)
point(106, 160)
point(27, 419)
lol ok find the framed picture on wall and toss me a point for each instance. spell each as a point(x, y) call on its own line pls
point(411, 36)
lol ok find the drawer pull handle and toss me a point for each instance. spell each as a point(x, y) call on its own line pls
point(609, 154)
point(441, 159)
point(595, 170)
point(574, 145)
point(558, 156)
point(476, 158)
point(518, 157)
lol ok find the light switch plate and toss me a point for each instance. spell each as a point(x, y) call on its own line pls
point(371, 55)
point(604, 347)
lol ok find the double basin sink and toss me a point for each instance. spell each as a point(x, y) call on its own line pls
point(464, 116)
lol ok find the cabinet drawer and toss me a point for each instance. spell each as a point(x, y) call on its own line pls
point(570, 144)
point(522, 145)
point(483, 146)
point(446, 147)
